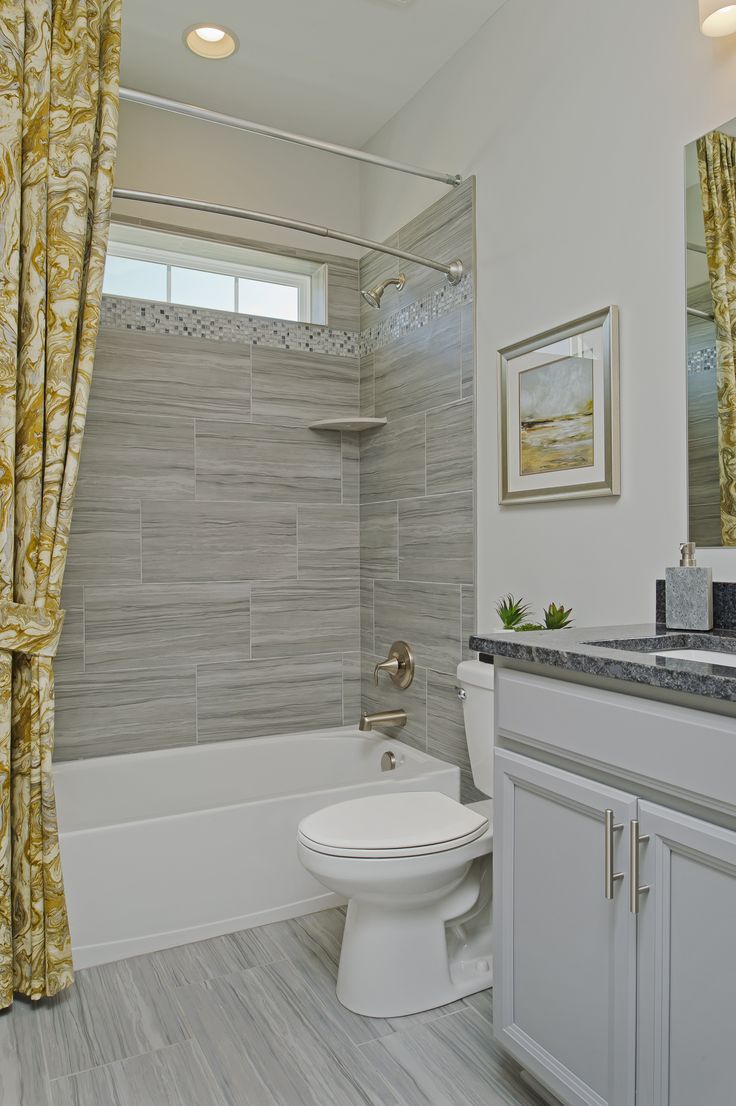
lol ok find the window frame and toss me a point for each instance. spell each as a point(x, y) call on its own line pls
point(308, 278)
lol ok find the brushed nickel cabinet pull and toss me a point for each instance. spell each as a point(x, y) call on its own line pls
point(611, 877)
point(635, 840)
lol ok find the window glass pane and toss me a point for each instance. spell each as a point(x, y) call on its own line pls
point(275, 301)
point(143, 279)
point(200, 289)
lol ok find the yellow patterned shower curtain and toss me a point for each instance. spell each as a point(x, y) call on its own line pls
point(59, 75)
point(717, 167)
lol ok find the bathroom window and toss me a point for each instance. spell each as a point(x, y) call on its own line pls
point(146, 263)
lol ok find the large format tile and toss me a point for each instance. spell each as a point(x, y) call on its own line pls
point(137, 626)
point(343, 299)
point(350, 467)
point(367, 397)
point(291, 386)
point(136, 457)
point(375, 267)
point(351, 689)
point(101, 713)
point(452, 1061)
point(269, 1039)
point(111, 1013)
point(105, 542)
point(392, 460)
point(276, 463)
point(446, 231)
point(250, 699)
point(310, 617)
point(200, 541)
point(164, 374)
point(328, 542)
point(386, 696)
point(467, 338)
point(436, 538)
point(173, 1076)
point(420, 370)
point(469, 621)
point(23, 1077)
point(366, 615)
point(428, 616)
point(69, 658)
point(379, 540)
point(211, 959)
point(450, 449)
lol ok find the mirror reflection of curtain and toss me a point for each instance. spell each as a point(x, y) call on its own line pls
point(717, 168)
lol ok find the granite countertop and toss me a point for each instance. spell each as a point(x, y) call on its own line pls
point(621, 653)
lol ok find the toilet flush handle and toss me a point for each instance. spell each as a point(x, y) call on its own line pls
point(461, 693)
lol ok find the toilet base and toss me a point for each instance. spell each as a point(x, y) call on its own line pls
point(400, 958)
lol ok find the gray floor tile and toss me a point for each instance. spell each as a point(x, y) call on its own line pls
point(174, 1076)
point(111, 1013)
point(219, 956)
point(23, 1077)
point(452, 1061)
point(266, 1024)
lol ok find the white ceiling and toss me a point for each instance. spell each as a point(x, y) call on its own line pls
point(337, 69)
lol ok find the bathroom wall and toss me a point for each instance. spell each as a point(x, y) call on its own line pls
point(212, 584)
point(579, 156)
point(416, 476)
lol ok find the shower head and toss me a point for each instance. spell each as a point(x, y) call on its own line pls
point(374, 295)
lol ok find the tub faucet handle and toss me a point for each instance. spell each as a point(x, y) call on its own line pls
point(399, 664)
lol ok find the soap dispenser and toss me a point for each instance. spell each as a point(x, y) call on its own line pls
point(689, 593)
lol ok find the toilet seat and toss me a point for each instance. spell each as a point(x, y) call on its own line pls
point(410, 823)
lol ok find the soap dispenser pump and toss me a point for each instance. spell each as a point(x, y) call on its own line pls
point(689, 593)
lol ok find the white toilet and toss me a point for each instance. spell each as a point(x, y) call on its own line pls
point(416, 869)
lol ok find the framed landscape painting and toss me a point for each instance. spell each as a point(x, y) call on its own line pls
point(559, 413)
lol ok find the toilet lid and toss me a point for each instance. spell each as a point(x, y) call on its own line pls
point(404, 824)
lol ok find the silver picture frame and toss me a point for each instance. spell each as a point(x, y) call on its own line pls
point(600, 477)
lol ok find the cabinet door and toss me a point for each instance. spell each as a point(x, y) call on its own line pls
point(687, 961)
point(564, 955)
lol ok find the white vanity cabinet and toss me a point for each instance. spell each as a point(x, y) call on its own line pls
point(606, 998)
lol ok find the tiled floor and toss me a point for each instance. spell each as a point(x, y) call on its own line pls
point(249, 1019)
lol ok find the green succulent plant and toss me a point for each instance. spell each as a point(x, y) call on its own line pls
point(511, 611)
point(529, 626)
point(556, 618)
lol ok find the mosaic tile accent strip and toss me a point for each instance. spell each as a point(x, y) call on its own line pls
point(437, 302)
point(152, 317)
point(702, 361)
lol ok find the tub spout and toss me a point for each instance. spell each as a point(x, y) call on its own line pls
point(382, 718)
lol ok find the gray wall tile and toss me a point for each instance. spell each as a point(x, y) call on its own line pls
point(292, 619)
point(105, 542)
point(446, 230)
point(235, 461)
point(169, 375)
point(367, 394)
point(329, 542)
point(250, 699)
point(99, 714)
point(374, 268)
point(199, 541)
point(393, 460)
point(350, 467)
point(366, 615)
point(379, 540)
point(69, 658)
point(469, 626)
point(467, 338)
point(351, 688)
point(343, 299)
point(389, 697)
point(294, 387)
point(436, 538)
point(428, 616)
point(163, 625)
point(136, 457)
point(450, 449)
point(419, 371)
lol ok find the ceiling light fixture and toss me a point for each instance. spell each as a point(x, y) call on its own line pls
point(208, 40)
point(717, 19)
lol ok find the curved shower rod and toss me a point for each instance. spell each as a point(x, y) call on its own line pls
point(453, 271)
point(148, 99)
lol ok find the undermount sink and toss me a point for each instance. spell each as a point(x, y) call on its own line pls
point(702, 656)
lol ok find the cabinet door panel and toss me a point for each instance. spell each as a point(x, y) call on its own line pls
point(565, 956)
point(687, 957)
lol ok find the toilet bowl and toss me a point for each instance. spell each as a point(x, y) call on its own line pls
point(416, 870)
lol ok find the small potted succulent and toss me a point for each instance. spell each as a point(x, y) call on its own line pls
point(514, 614)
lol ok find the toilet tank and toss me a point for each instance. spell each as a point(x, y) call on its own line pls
point(475, 681)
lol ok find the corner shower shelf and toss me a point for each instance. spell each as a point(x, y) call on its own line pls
point(356, 425)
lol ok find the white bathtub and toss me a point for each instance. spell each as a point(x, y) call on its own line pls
point(167, 847)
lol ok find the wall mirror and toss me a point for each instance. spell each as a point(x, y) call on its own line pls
point(710, 203)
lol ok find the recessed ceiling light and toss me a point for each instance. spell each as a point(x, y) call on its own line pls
point(208, 40)
point(717, 19)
